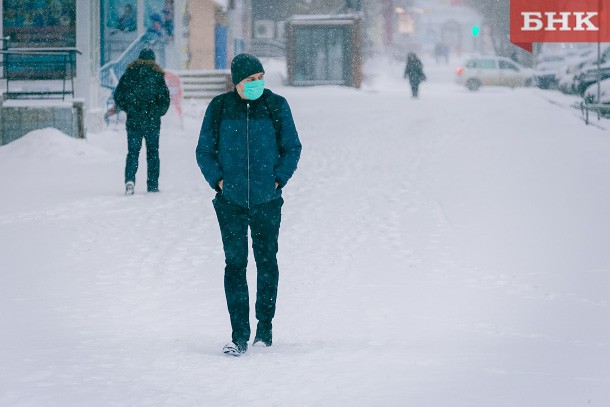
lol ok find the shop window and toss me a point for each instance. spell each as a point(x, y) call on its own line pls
point(39, 24)
point(322, 55)
point(120, 27)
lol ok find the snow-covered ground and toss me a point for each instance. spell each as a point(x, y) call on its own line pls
point(447, 251)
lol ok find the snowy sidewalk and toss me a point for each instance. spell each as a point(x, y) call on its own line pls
point(447, 251)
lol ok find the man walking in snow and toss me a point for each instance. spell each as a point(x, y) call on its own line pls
point(415, 71)
point(248, 149)
point(144, 96)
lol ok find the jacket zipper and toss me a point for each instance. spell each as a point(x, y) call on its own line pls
point(248, 148)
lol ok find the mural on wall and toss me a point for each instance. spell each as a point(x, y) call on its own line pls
point(120, 28)
point(159, 17)
point(39, 23)
point(121, 15)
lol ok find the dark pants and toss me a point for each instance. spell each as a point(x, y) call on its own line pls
point(134, 145)
point(414, 88)
point(264, 222)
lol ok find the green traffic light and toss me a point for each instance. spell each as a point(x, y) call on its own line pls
point(475, 30)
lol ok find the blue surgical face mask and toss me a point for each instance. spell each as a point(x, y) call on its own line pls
point(253, 90)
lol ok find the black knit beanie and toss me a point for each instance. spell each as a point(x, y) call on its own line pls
point(147, 54)
point(244, 65)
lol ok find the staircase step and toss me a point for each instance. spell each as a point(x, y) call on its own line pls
point(199, 83)
point(204, 84)
point(200, 95)
point(208, 86)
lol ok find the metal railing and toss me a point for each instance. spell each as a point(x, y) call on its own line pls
point(111, 72)
point(36, 64)
point(600, 108)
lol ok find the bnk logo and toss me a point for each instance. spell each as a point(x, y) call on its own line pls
point(558, 21)
point(536, 21)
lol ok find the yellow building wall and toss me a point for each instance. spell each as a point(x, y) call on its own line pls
point(202, 22)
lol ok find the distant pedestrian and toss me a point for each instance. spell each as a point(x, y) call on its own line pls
point(248, 150)
point(441, 52)
point(415, 71)
point(144, 96)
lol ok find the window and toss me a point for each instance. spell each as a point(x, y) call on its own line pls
point(39, 24)
point(481, 64)
point(121, 15)
point(487, 64)
point(119, 27)
point(508, 65)
point(322, 55)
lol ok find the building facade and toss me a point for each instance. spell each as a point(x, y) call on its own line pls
point(421, 25)
point(196, 34)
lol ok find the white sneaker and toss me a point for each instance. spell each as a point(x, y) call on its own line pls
point(235, 349)
point(129, 188)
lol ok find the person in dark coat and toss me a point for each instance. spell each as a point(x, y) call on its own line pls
point(248, 150)
point(144, 96)
point(415, 71)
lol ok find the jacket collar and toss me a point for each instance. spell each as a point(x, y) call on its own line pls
point(138, 63)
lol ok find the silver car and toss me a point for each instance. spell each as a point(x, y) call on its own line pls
point(493, 71)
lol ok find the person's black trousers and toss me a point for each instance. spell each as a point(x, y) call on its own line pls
point(134, 145)
point(414, 88)
point(264, 223)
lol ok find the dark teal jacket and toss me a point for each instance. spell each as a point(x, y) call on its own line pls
point(143, 95)
point(250, 145)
